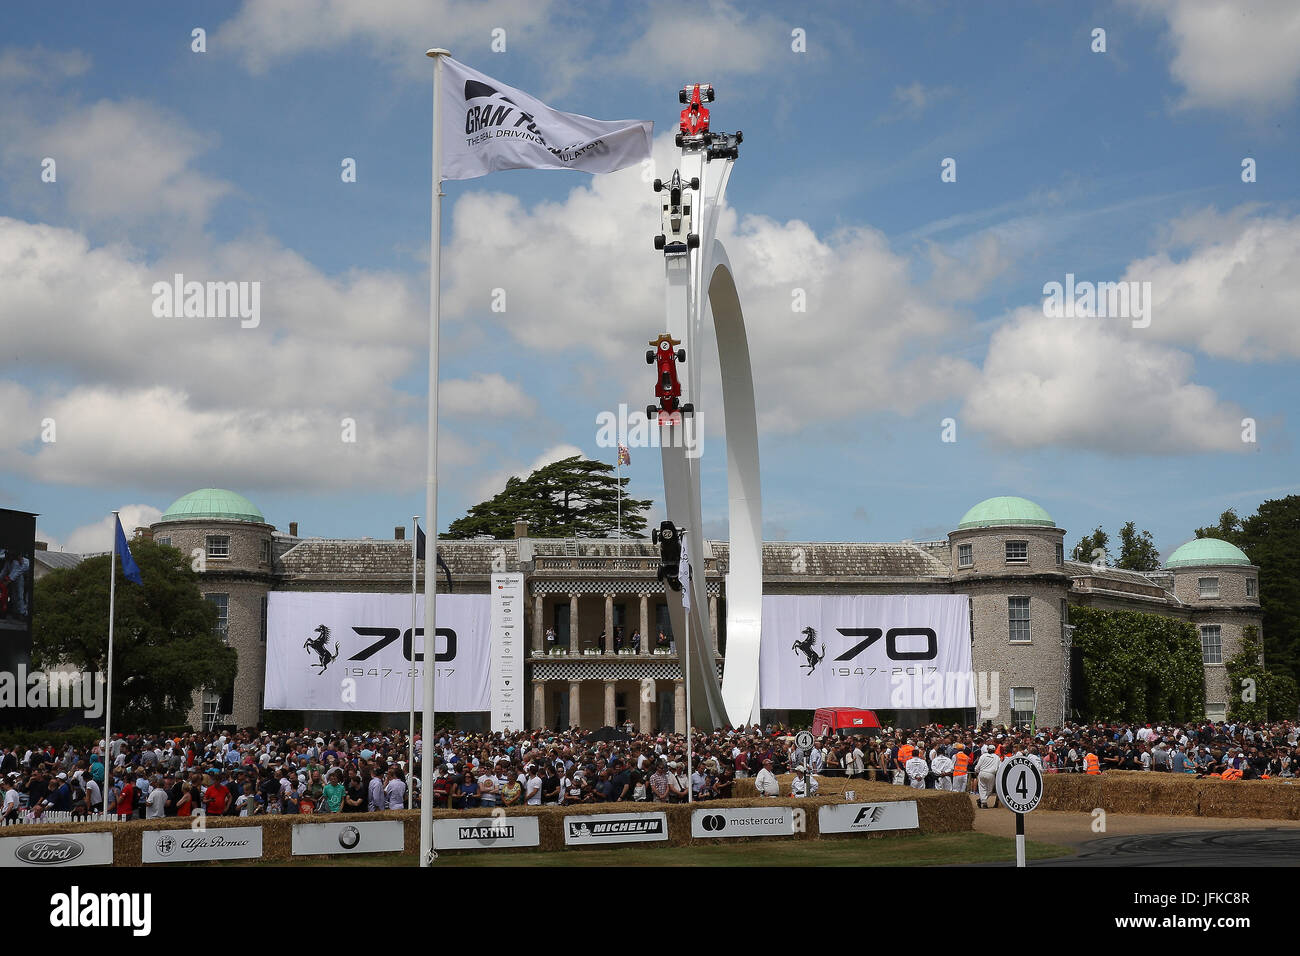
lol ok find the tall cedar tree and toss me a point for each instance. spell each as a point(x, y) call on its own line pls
point(1137, 550)
point(571, 498)
point(1271, 539)
point(164, 645)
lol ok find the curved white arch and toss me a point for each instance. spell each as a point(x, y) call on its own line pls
point(687, 296)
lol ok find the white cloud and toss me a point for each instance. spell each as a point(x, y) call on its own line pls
point(1086, 384)
point(20, 64)
point(1233, 54)
point(916, 97)
point(489, 485)
point(1234, 294)
point(486, 395)
point(676, 39)
point(266, 31)
point(97, 536)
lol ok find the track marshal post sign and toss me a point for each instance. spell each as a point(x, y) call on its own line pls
point(1020, 788)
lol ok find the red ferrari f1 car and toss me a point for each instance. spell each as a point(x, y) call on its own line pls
point(668, 388)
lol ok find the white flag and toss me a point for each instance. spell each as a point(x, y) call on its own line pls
point(487, 126)
point(684, 574)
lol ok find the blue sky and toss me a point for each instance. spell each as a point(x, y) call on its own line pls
point(925, 297)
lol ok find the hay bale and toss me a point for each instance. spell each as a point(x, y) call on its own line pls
point(1138, 791)
point(1071, 792)
point(1250, 799)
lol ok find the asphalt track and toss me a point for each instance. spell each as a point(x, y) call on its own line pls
point(1193, 848)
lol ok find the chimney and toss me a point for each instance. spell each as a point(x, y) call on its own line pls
point(293, 529)
point(143, 534)
point(42, 546)
point(399, 532)
point(521, 529)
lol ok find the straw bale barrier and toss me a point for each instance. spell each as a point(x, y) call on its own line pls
point(937, 812)
point(1136, 791)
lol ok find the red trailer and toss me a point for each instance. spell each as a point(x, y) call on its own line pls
point(845, 721)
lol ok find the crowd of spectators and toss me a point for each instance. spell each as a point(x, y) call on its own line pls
point(248, 773)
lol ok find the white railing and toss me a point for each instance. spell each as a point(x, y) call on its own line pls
point(26, 817)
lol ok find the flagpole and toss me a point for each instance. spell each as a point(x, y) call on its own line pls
point(410, 737)
point(618, 458)
point(431, 486)
point(108, 690)
point(686, 618)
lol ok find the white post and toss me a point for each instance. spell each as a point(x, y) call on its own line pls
point(429, 734)
point(108, 686)
point(618, 459)
point(410, 737)
point(690, 745)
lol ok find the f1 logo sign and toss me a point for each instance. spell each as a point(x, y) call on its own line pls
point(873, 634)
point(387, 635)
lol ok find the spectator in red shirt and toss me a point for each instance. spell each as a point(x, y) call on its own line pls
point(216, 796)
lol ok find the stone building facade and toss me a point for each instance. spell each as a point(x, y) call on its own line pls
point(1006, 554)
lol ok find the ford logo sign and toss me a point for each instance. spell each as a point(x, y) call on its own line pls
point(49, 851)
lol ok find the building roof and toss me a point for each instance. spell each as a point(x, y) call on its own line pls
point(57, 559)
point(1006, 511)
point(1206, 552)
point(215, 504)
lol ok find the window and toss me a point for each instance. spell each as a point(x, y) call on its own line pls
point(1060, 553)
point(1208, 587)
point(218, 545)
point(1065, 617)
point(1018, 618)
point(1252, 588)
point(1017, 552)
point(264, 619)
point(965, 555)
point(1211, 644)
point(211, 708)
point(266, 551)
point(164, 540)
point(222, 603)
point(1023, 700)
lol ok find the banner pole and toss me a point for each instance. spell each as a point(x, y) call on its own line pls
point(410, 736)
point(429, 733)
point(108, 687)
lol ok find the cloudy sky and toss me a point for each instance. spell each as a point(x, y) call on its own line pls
point(924, 298)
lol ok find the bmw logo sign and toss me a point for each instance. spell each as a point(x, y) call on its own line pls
point(349, 837)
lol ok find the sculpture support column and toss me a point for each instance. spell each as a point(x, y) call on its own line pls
point(611, 711)
point(539, 600)
point(575, 703)
point(679, 707)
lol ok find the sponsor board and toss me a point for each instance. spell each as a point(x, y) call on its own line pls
point(507, 652)
point(226, 843)
point(314, 838)
point(743, 822)
point(485, 833)
point(615, 828)
point(867, 817)
point(894, 651)
point(73, 849)
point(356, 652)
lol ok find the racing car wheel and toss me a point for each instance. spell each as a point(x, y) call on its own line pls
point(659, 241)
point(692, 241)
point(658, 185)
point(649, 356)
point(681, 355)
point(695, 182)
point(678, 140)
point(651, 412)
point(688, 408)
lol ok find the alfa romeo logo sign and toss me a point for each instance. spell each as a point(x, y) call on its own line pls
point(1020, 784)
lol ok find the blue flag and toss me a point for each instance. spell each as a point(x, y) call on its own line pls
point(419, 553)
point(129, 568)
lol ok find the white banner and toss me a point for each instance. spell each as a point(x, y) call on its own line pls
point(334, 651)
point(866, 650)
point(615, 828)
point(507, 652)
point(226, 843)
point(486, 833)
point(72, 849)
point(310, 839)
point(865, 817)
point(487, 126)
point(743, 822)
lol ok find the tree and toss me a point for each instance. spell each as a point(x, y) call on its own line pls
point(1271, 539)
point(164, 645)
point(1093, 546)
point(1246, 681)
point(572, 498)
point(1137, 550)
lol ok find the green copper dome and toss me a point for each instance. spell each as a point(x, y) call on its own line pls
point(1006, 511)
point(1206, 552)
point(213, 503)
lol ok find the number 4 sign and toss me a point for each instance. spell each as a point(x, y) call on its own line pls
point(1020, 788)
